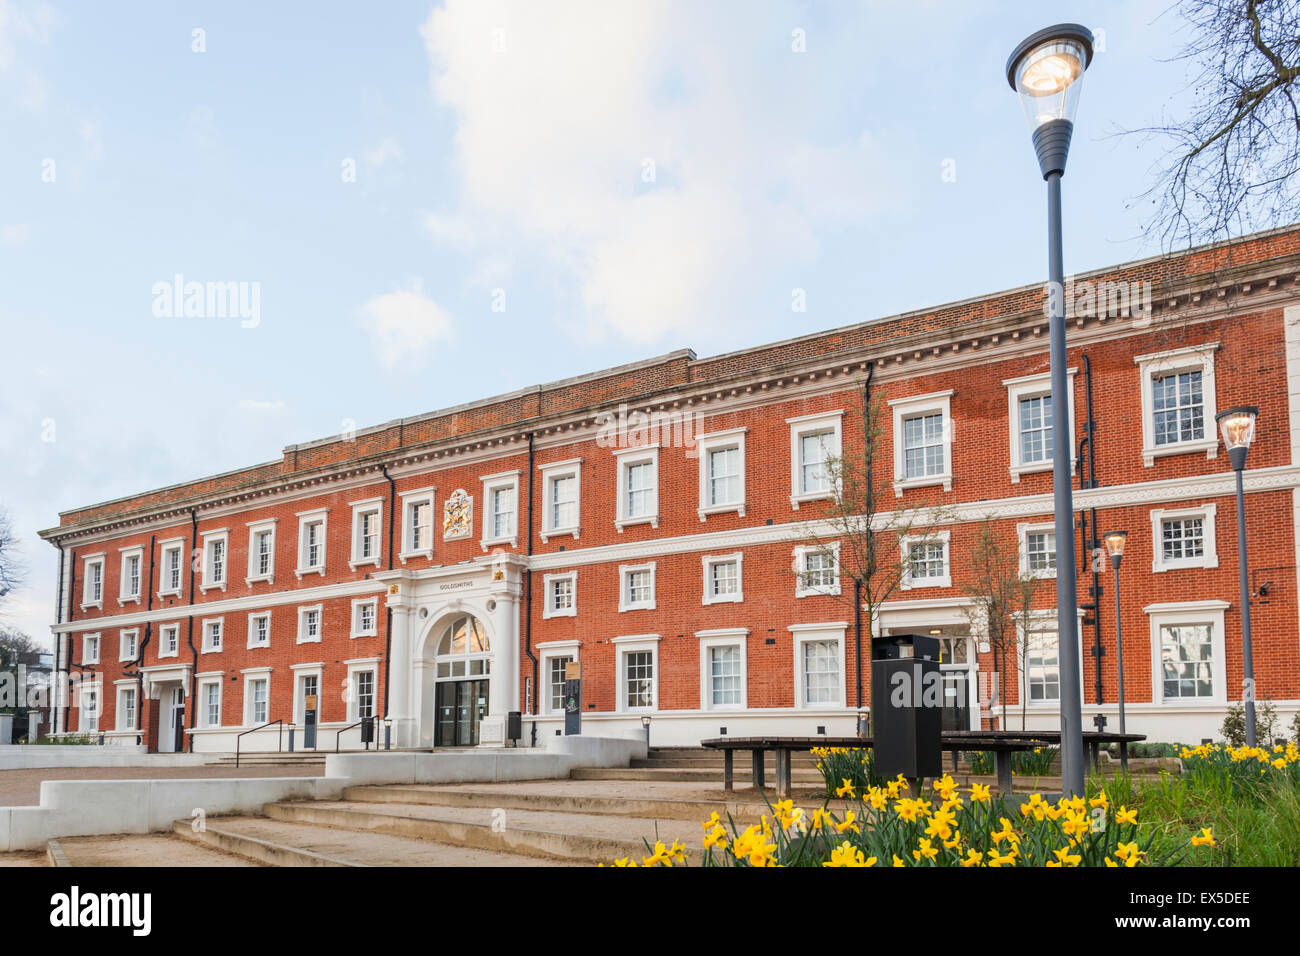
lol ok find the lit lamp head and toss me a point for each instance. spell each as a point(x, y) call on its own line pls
point(1115, 541)
point(645, 720)
point(1238, 428)
point(1046, 70)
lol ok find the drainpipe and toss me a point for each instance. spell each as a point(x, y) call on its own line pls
point(189, 637)
point(388, 611)
point(144, 642)
point(68, 638)
point(1091, 540)
point(857, 582)
point(528, 590)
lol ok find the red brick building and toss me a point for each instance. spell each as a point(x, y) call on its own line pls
point(656, 523)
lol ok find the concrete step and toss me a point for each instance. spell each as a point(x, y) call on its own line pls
point(288, 843)
point(572, 837)
point(264, 759)
point(145, 849)
point(687, 774)
point(743, 807)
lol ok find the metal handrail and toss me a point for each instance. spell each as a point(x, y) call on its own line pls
point(338, 736)
point(279, 737)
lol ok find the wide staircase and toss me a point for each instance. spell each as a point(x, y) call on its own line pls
point(598, 816)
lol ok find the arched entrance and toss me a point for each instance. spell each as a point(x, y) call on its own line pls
point(462, 663)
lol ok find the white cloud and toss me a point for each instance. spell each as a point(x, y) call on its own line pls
point(560, 108)
point(404, 326)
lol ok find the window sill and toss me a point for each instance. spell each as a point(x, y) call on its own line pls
point(124, 601)
point(166, 594)
point(423, 553)
point(623, 608)
point(367, 563)
point(361, 634)
point(205, 588)
point(162, 655)
point(259, 578)
point(797, 500)
point(546, 535)
point(308, 640)
point(258, 647)
point(923, 583)
point(95, 605)
point(1160, 567)
point(738, 508)
point(1035, 469)
point(929, 481)
point(1207, 445)
point(818, 592)
point(303, 572)
point(512, 541)
point(567, 612)
point(651, 520)
point(724, 599)
point(210, 650)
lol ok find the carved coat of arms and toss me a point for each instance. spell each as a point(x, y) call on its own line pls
point(458, 515)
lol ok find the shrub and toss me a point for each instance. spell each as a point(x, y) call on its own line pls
point(1234, 724)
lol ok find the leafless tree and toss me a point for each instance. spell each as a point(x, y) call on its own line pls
point(1233, 159)
point(862, 525)
point(1001, 594)
point(12, 571)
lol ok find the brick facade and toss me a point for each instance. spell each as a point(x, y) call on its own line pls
point(1229, 303)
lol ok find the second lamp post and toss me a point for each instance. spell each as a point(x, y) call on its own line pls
point(1115, 542)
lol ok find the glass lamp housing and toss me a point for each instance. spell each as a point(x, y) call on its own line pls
point(1046, 71)
point(1238, 426)
point(1115, 541)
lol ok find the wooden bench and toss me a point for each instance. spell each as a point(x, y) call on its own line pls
point(1001, 743)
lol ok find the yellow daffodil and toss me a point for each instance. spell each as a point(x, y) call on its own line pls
point(846, 789)
point(979, 793)
point(1125, 815)
point(1205, 839)
point(846, 854)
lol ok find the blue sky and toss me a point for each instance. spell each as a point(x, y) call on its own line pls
point(624, 179)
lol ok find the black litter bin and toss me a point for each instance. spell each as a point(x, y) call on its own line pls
point(906, 706)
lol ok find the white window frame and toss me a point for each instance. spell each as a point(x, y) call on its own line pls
point(624, 604)
point(491, 484)
point(314, 669)
point(1049, 618)
point(630, 644)
point(162, 640)
point(202, 685)
point(357, 605)
point(908, 583)
point(305, 519)
point(549, 579)
point(357, 666)
point(125, 597)
point(208, 581)
point(911, 407)
point(255, 528)
point(1023, 531)
point(252, 674)
point(1209, 552)
point(800, 426)
point(253, 617)
point(570, 467)
point(302, 636)
point(87, 562)
point(802, 634)
point(375, 508)
point(205, 645)
point(131, 634)
point(97, 637)
point(801, 588)
point(1033, 386)
point(624, 460)
point(171, 546)
point(1190, 359)
point(410, 500)
point(708, 561)
point(1209, 612)
point(722, 637)
point(720, 441)
point(124, 688)
point(546, 652)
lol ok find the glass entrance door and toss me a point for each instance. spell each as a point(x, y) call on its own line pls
point(460, 707)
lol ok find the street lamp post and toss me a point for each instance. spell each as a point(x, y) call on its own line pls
point(1046, 70)
point(1115, 542)
point(1238, 428)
